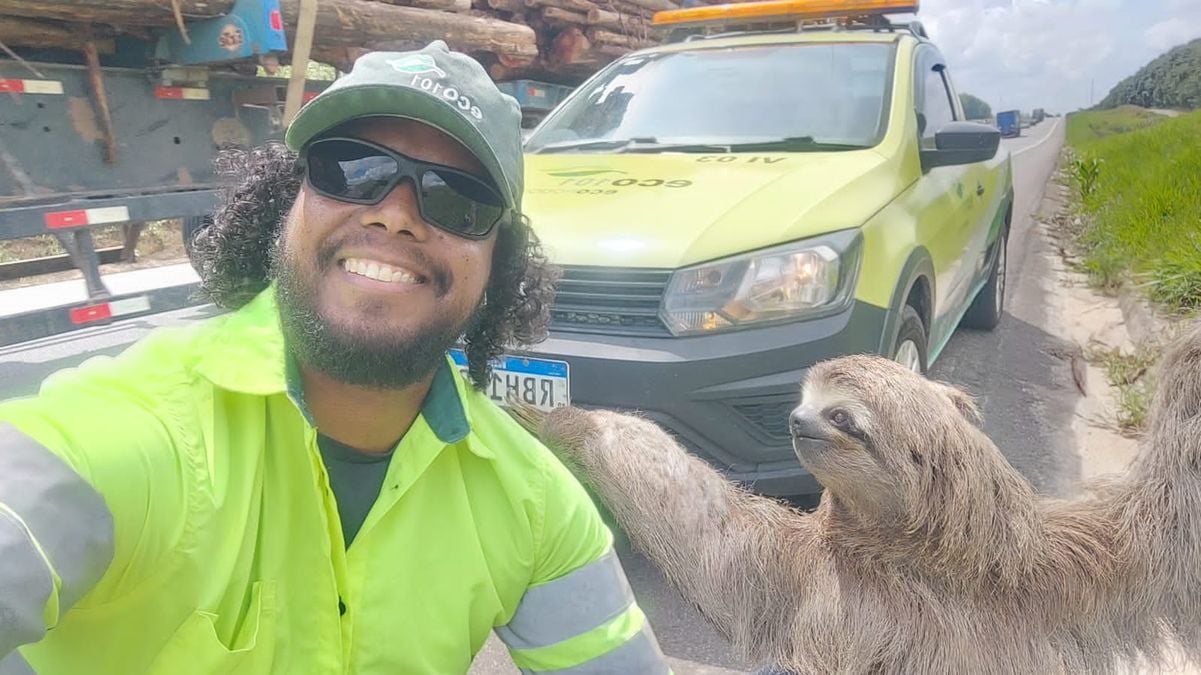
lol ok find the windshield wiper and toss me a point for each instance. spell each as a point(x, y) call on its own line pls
point(650, 144)
point(599, 144)
point(646, 144)
point(679, 147)
point(794, 144)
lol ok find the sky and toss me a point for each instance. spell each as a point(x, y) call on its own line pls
point(1025, 54)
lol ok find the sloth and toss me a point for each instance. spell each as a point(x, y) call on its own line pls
point(928, 552)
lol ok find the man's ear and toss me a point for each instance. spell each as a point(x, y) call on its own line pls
point(963, 401)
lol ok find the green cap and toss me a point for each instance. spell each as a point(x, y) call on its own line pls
point(444, 89)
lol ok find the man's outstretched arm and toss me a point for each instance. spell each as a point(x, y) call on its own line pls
point(579, 615)
point(92, 495)
point(56, 538)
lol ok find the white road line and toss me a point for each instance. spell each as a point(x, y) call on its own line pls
point(1044, 138)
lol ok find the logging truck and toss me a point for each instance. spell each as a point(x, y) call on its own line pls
point(112, 111)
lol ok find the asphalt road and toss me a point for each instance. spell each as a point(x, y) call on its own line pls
point(1023, 385)
point(1020, 374)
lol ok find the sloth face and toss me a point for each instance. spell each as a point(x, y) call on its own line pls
point(871, 430)
point(833, 435)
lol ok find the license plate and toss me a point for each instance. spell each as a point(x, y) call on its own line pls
point(542, 383)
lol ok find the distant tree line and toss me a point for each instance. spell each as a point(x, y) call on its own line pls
point(974, 108)
point(1172, 80)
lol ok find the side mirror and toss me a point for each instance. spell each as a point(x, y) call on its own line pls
point(962, 143)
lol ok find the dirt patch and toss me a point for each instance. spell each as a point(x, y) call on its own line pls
point(1094, 322)
point(160, 243)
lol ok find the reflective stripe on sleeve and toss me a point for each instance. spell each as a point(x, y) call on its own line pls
point(639, 654)
point(69, 521)
point(15, 664)
point(571, 605)
point(26, 585)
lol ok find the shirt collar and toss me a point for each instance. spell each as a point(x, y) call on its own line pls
point(244, 351)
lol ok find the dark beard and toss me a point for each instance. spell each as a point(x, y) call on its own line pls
point(389, 363)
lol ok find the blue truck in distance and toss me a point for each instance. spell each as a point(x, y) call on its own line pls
point(1010, 123)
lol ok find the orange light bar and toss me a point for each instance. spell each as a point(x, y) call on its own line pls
point(783, 10)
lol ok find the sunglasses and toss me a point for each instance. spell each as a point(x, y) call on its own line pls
point(361, 172)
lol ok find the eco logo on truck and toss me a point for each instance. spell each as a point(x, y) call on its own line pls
point(598, 177)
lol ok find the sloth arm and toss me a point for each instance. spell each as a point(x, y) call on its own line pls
point(737, 556)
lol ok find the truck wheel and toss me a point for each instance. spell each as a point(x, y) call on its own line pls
point(985, 311)
point(909, 349)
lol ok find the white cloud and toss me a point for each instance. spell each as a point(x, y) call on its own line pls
point(1171, 32)
point(1051, 53)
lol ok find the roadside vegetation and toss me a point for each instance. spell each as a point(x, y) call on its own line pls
point(974, 107)
point(1088, 127)
point(1173, 80)
point(1137, 175)
point(1132, 375)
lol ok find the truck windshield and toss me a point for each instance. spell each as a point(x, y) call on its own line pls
point(826, 96)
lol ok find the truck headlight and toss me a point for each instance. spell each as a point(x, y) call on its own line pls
point(802, 279)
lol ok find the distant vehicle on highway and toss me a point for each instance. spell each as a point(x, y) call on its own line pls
point(1010, 123)
point(712, 254)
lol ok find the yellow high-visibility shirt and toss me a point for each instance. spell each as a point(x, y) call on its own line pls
point(217, 546)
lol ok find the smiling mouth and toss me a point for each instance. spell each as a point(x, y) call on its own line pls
point(380, 271)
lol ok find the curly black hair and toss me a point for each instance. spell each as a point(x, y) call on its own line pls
point(232, 255)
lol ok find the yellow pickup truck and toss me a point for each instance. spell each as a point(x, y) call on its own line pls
point(733, 206)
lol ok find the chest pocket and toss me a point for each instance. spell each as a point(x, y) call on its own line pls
point(195, 649)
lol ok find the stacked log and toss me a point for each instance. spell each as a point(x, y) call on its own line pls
point(555, 40)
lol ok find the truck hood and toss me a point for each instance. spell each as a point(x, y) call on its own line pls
point(674, 210)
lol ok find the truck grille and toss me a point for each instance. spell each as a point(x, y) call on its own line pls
point(613, 301)
point(770, 418)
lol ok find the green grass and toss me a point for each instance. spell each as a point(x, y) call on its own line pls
point(1086, 127)
point(1133, 377)
point(1138, 177)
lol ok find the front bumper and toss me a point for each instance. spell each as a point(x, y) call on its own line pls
point(726, 397)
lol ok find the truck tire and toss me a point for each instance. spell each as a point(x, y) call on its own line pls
point(986, 310)
point(909, 348)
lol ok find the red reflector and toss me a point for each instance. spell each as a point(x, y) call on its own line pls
point(15, 86)
point(91, 313)
point(277, 21)
point(168, 92)
point(66, 219)
point(309, 95)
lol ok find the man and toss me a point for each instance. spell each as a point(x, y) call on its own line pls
point(307, 484)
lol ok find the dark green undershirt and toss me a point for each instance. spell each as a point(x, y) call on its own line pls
point(355, 478)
